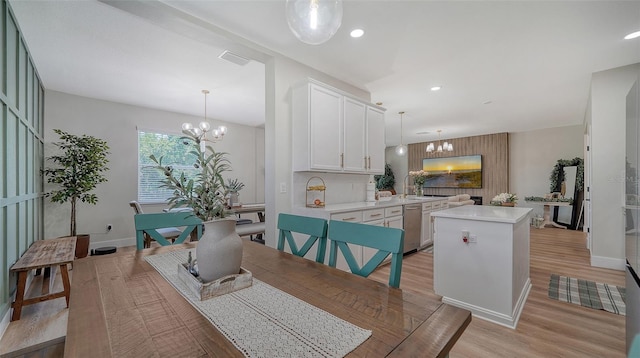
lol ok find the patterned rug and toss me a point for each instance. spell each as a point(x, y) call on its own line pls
point(263, 321)
point(590, 294)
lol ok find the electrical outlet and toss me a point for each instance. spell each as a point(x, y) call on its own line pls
point(109, 227)
point(465, 236)
point(283, 187)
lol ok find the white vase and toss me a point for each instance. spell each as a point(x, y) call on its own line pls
point(219, 250)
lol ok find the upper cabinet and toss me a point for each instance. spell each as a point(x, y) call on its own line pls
point(334, 132)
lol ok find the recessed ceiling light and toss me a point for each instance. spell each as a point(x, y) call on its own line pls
point(357, 33)
point(632, 35)
point(436, 88)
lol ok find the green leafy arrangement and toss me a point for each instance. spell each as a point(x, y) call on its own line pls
point(557, 200)
point(205, 193)
point(557, 174)
point(234, 185)
point(386, 181)
point(77, 170)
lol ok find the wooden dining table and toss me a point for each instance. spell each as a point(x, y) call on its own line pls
point(121, 306)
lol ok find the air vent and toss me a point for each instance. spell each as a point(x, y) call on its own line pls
point(232, 57)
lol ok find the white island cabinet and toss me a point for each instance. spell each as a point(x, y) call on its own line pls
point(489, 273)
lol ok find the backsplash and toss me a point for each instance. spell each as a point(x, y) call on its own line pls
point(341, 188)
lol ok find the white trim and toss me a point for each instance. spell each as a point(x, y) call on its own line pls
point(608, 262)
point(127, 241)
point(4, 324)
point(502, 319)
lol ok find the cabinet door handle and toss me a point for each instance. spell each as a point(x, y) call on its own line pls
point(373, 215)
point(348, 219)
point(369, 162)
point(341, 160)
point(397, 211)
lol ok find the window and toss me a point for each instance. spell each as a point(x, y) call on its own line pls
point(173, 152)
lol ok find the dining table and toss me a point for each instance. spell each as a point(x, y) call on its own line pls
point(120, 306)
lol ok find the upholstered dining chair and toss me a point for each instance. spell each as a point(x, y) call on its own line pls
point(314, 227)
point(387, 240)
point(169, 233)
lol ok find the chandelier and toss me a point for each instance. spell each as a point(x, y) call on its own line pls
point(217, 134)
point(446, 147)
point(314, 21)
point(401, 149)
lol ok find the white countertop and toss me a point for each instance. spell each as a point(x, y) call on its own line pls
point(363, 205)
point(492, 213)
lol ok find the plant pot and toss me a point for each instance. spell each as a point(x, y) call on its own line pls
point(82, 245)
point(509, 204)
point(219, 250)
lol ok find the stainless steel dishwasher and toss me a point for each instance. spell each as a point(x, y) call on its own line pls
point(412, 226)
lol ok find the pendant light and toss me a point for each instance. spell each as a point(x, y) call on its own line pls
point(314, 21)
point(401, 149)
point(217, 134)
point(448, 147)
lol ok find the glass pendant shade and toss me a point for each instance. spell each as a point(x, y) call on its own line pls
point(401, 149)
point(314, 21)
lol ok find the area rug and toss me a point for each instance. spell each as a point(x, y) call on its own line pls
point(263, 321)
point(590, 294)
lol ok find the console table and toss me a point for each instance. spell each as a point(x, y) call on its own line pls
point(47, 254)
point(547, 212)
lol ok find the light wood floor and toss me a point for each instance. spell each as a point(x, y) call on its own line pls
point(547, 328)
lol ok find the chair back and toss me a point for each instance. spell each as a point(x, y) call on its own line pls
point(150, 223)
point(136, 207)
point(387, 240)
point(314, 227)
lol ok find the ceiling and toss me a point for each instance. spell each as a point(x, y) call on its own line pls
point(504, 66)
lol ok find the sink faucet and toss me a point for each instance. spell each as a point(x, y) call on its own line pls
point(405, 184)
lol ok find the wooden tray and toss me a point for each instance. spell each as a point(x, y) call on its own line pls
point(215, 288)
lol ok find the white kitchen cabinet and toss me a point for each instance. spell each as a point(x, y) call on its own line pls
point(375, 141)
point(426, 233)
point(334, 132)
point(355, 155)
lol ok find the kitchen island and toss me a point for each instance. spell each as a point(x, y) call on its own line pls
point(481, 260)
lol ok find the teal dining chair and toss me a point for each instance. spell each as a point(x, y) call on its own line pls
point(152, 225)
point(314, 227)
point(387, 240)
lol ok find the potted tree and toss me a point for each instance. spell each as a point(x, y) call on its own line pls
point(219, 251)
point(77, 170)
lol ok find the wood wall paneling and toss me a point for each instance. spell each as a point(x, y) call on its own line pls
point(21, 152)
point(494, 149)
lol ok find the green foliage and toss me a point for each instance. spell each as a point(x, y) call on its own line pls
point(77, 170)
point(205, 192)
point(234, 185)
point(557, 200)
point(386, 181)
point(557, 174)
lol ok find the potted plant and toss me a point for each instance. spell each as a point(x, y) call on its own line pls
point(219, 251)
point(386, 181)
point(233, 188)
point(77, 170)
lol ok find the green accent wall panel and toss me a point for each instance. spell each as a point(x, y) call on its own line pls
point(21, 152)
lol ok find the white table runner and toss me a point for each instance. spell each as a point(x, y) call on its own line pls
point(262, 321)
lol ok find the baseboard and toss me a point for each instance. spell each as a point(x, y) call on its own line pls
point(127, 241)
point(608, 262)
point(510, 321)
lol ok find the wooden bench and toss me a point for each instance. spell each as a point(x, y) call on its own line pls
point(47, 254)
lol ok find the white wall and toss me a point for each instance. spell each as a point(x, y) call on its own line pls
point(399, 166)
point(282, 74)
point(608, 115)
point(116, 123)
point(532, 156)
